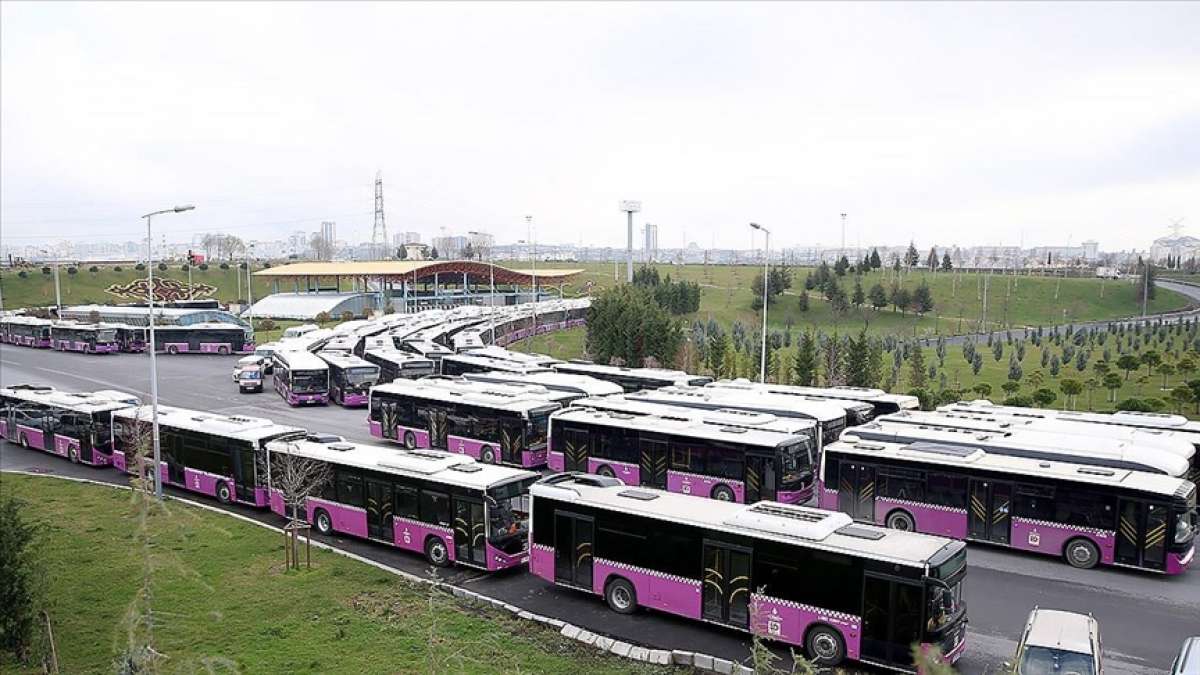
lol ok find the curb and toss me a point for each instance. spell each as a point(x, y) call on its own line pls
point(658, 657)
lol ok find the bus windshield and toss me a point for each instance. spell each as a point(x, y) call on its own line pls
point(106, 335)
point(309, 381)
point(1050, 661)
point(945, 591)
point(536, 428)
point(508, 516)
point(361, 375)
point(831, 430)
point(796, 462)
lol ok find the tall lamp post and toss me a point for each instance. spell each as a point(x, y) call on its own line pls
point(533, 264)
point(762, 370)
point(249, 290)
point(153, 359)
point(630, 207)
point(492, 274)
point(57, 292)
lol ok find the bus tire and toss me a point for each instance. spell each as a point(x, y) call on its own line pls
point(323, 522)
point(621, 596)
point(223, 492)
point(436, 552)
point(172, 349)
point(606, 471)
point(723, 493)
point(825, 645)
point(73, 455)
point(1081, 553)
point(487, 454)
point(900, 520)
point(223, 351)
point(410, 440)
point(24, 441)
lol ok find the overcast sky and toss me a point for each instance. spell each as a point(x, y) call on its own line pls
point(962, 123)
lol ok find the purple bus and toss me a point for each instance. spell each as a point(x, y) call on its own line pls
point(301, 378)
point(350, 378)
point(130, 339)
point(27, 331)
point(203, 338)
point(89, 338)
point(800, 576)
point(447, 506)
point(731, 456)
point(77, 426)
point(215, 455)
point(1089, 515)
point(497, 426)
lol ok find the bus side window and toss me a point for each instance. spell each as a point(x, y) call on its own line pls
point(1034, 501)
point(946, 489)
point(435, 508)
point(682, 458)
point(406, 502)
point(1085, 508)
point(902, 484)
point(725, 461)
point(349, 489)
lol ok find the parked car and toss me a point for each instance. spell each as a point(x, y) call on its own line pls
point(247, 361)
point(1057, 642)
point(250, 379)
point(1188, 661)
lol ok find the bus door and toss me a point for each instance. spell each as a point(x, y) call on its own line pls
point(171, 449)
point(760, 478)
point(575, 449)
point(989, 517)
point(379, 511)
point(1141, 534)
point(856, 490)
point(470, 531)
point(653, 465)
point(573, 538)
point(891, 618)
point(726, 595)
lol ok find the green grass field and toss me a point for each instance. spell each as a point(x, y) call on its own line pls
point(222, 603)
point(85, 287)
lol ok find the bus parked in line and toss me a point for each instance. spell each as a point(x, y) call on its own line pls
point(579, 385)
point(395, 364)
point(301, 378)
point(298, 331)
point(27, 331)
point(682, 454)
point(445, 505)
point(130, 339)
point(203, 338)
point(350, 378)
point(215, 455)
point(426, 348)
point(492, 427)
point(880, 401)
point(469, 362)
point(804, 577)
point(1087, 515)
point(631, 379)
point(830, 417)
point(77, 426)
point(89, 338)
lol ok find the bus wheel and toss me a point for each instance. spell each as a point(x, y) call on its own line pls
point(172, 349)
point(825, 646)
point(24, 441)
point(1081, 553)
point(621, 596)
point(223, 351)
point(410, 440)
point(488, 455)
point(606, 471)
point(322, 521)
point(436, 552)
point(722, 493)
point(223, 494)
point(900, 520)
point(73, 454)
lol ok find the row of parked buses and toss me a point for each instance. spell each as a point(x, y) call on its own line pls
point(104, 338)
point(745, 566)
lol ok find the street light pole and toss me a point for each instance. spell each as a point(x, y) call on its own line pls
point(762, 372)
point(492, 274)
point(249, 289)
point(153, 360)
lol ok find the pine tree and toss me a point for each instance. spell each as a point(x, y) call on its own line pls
point(916, 367)
point(946, 264)
point(876, 263)
point(911, 257)
point(922, 298)
point(859, 298)
point(804, 369)
point(878, 296)
point(932, 261)
point(803, 301)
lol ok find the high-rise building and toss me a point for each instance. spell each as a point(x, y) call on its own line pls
point(329, 231)
point(651, 245)
point(410, 237)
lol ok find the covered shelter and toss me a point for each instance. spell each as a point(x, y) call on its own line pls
point(413, 285)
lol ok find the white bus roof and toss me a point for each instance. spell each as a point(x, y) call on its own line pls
point(584, 385)
point(209, 325)
point(787, 523)
point(951, 454)
point(509, 355)
point(585, 367)
point(297, 331)
point(344, 360)
point(864, 394)
point(436, 465)
point(300, 360)
point(515, 389)
point(775, 404)
point(239, 427)
point(1044, 444)
point(524, 403)
point(492, 362)
point(727, 417)
point(682, 425)
point(29, 320)
point(83, 402)
point(1145, 420)
point(399, 357)
point(425, 346)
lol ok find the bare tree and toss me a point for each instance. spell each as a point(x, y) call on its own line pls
point(322, 249)
point(136, 438)
point(295, 479)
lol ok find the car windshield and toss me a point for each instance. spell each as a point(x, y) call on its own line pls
point(251, 374)
point(796, 462)
point(362, 375)
point(944, 604)
point(1050, 661)
point(313, 380)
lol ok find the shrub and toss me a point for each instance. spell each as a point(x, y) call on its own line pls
point(23, 274)
point(241, 266)
point(266, 265)
point(72, 270)
point(93, 269)
point(140, 267)
point(19, 594)
point(162, 267)
point(1135, 405)
point(116, 268)
point(183, 267)
point(224, 266)
point(1021, 401)
point(266, 324)
point(203, 266)
point(46, 271)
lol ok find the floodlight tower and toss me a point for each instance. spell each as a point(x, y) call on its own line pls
point(630, 208)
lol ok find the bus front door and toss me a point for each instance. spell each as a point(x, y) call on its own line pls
point(379, 511)
point(573, 537)
point(726, 595)
point(653, 464)
point(470, 531)
point(856, 491)
point(891, 619)
point(760, 478)
point(575, 450)
point(1141, 534)
point(989, 517)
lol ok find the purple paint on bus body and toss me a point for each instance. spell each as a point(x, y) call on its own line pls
point(347, 519)
point(541, 561)
point(107, 348)
point(420, 436)
point(4, 429)
point(1178, 563)
point(556, 461)
point(118, 462)
point(789, 622)
point(411, 535)
point(180, 347)
point(534, 457)
point(499, 560)
point(216, 348)
point(794, 496)
point(656, 590)
point(354, 400)
point(470, 447)
point(702, 486)
point(929, 518)
point(247, 348)
point(826, 499)
point(630, 474)
point(306, 399)
point(63, 445)
point(34, 437)
point(1044, 537)
point(275, 502)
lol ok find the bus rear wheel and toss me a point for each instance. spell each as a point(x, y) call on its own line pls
point(410, 440)
point(172, 349)
point(723, 493)
point(621, 596)
point(900, 520)
point(1081, 553)
point(606, 471)
point(487, 454)
point(436, 552)
point(24, 441)
point(825, 646)
point(323, 522)
point(223, 351)
point(223, 493)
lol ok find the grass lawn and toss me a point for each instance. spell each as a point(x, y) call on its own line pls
point(85, 287)
point(563, 344)
point(222, 603)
